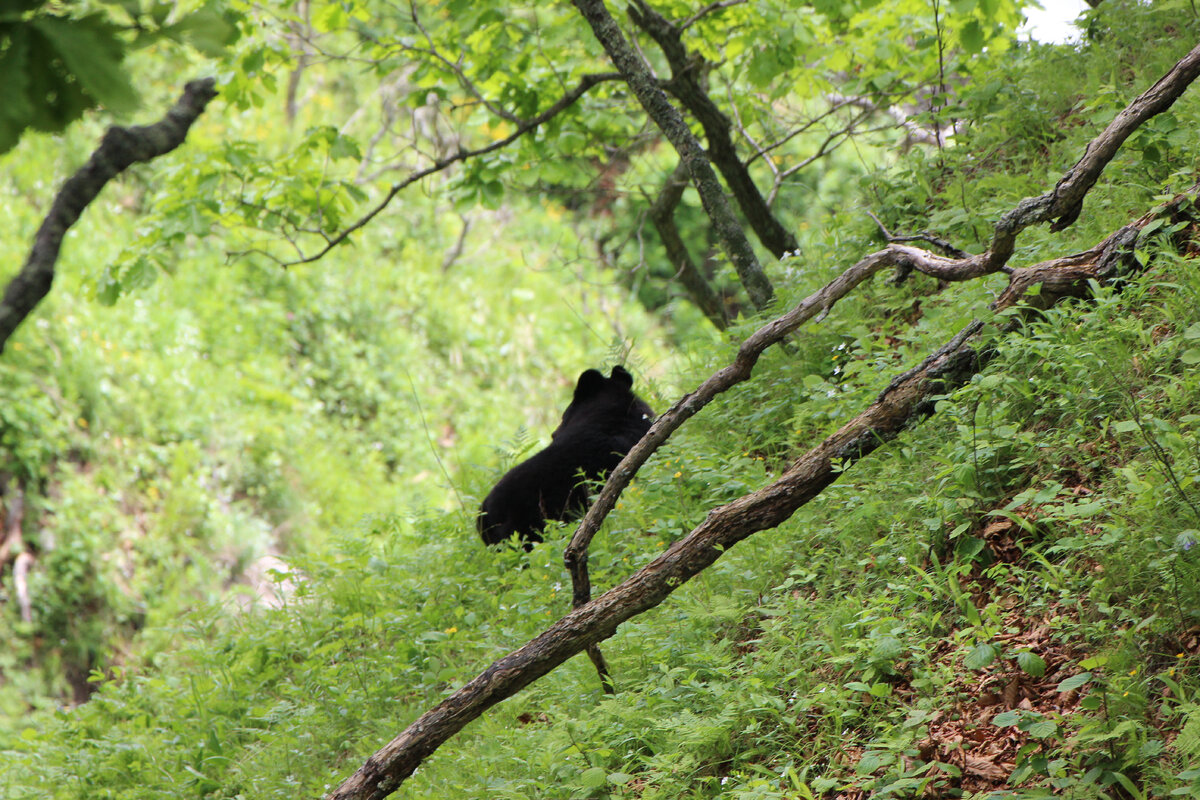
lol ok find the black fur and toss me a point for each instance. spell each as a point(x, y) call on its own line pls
point(604, 420)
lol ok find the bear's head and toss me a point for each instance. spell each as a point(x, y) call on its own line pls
point(607, 402)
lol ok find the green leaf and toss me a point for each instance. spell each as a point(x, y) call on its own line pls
point(968, 547)
point(1006, 719)
point(55, 101)
point(972, 37)
point(1191, 356)
point(1031, 664)
point(619, 778)
point(90, 50)
point(16, 110)
point(594, 778)
point(1041, 729)
point(873, 760)
point(141, 274)
point(205, 29)
point(1074, 682)
point(344, 147)
point(887, 648)
point(980, 656)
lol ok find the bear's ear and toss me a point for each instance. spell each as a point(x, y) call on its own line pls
point(590, 382)
point(622, 376)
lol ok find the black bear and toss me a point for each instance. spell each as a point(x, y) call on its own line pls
point(604, 420)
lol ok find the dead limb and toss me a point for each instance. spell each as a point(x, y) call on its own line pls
point(14, 497)
point(906, 399)
point(904, 258)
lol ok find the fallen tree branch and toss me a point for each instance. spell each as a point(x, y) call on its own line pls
point(14, 495)
point(21, 567)
point(905, 258)
point(119, 149)
point(906, 399)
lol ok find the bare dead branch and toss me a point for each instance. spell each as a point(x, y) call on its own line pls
point(1064, 203)
point(21, 569)
point(720, 5)
point(920, 237)
point(302, 32)
point(119, 149)
point(456, 250)
point(14, 496)
point(914, 132)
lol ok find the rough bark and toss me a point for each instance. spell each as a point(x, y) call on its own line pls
point(675, 129)
point(119, 149)
point(687, 84)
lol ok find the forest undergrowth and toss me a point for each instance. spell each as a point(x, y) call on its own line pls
point(251, 491)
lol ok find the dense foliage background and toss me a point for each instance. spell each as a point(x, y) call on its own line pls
point(249, 481)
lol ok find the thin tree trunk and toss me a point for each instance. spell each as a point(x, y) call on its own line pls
point(675, 128)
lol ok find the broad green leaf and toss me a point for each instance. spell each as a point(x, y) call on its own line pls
point(980, 656)
point(16, 110)
point(1041, 729)
point(1006, 718)
point(205, 29)
point(972, 36)
point(887, 648)
point(55, 101)
point(969, 546)
point(594, 777)
point(1031, 664)
point(1074, 682)
point(90, 50)
point(873, 760)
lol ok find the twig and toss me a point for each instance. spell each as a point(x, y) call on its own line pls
point(585, 83)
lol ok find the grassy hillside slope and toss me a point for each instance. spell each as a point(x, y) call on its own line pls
point(1004, 602)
